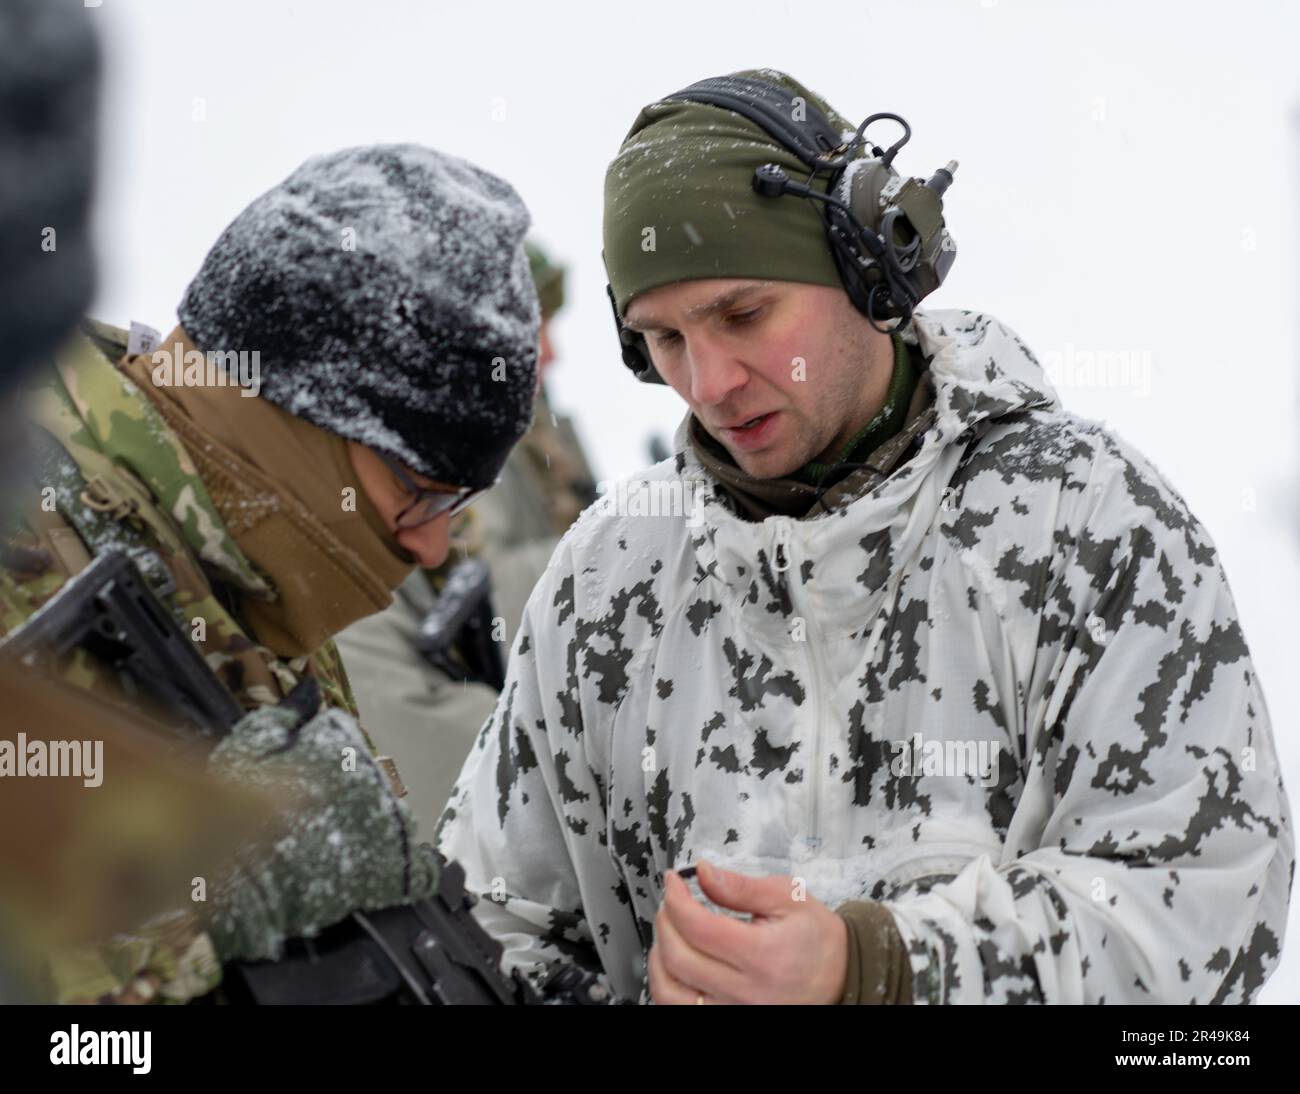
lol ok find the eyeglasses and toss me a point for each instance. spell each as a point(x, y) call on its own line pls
point(428, 503)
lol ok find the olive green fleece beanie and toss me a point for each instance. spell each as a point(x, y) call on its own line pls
point(680, 204)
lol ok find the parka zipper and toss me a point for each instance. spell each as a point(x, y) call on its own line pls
point(782, 549)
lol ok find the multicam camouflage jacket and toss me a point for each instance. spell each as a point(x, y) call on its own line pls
point(1004, 691)
point(111, 473)
point(121, 477)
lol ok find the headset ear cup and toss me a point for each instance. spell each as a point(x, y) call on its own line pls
point(636, 355)
point(863, 194)
point(847, 260)
point(860, 189)
point(632, 346)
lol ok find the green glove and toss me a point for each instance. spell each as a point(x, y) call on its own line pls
point(342, 842)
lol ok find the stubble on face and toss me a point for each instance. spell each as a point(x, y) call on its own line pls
point(847, 375)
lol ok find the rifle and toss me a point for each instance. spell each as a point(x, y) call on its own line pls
point(462, 617)
point(427, 953)
point(432, 951)
point(109, 610)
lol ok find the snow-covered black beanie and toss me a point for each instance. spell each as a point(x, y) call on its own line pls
point(388, 296)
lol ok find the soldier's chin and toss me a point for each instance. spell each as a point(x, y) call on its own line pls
point(767, 464)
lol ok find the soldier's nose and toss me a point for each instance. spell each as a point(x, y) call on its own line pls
point(429, 542)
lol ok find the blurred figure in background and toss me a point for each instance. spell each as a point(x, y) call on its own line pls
point(546, 483)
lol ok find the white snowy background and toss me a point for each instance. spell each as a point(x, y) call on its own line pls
point(1129, 182)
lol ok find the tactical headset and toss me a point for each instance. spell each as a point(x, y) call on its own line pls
point(886, 233)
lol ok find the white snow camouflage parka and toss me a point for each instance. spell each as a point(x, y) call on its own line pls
point(699, 686)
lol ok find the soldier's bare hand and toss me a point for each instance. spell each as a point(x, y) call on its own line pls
point(794, 950)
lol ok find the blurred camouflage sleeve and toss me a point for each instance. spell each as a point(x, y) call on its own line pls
point(504, 820)
point(1152, 793)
